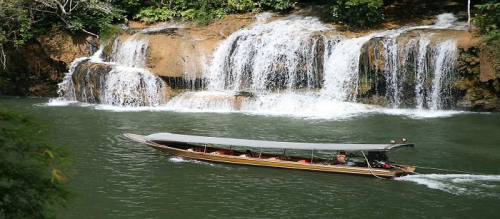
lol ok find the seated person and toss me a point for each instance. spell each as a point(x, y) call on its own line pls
point(275, 158)
point(303, 161)
point(223, 152)
point(341, 157)
point(195, 149)
point(248, 153)
point(279, 158)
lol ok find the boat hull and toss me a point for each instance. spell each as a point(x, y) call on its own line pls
point(333, 168)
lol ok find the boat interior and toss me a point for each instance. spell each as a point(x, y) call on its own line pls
point(377, 159)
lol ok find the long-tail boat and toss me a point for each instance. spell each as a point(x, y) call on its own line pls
point(255, 152)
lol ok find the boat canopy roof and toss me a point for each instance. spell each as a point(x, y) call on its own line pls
point(192, 139)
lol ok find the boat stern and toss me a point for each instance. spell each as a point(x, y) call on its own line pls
point(402, 170)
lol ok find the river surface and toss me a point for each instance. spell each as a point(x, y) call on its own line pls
point(117, 178)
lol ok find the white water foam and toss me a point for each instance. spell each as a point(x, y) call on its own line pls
point(309, 105)
point(420, 113)
point(458, 184)
point(127, 86)
point(176, 159)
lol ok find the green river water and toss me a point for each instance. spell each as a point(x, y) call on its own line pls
point(117, 178)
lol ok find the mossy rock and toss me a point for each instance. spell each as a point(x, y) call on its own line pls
point(477, 93)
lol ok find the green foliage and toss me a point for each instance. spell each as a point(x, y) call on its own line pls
point(31, 177)
point(277, 4)
point(88, 17)
point(152, 14)
point(488, 22)
point(240, 5)
point(131, 7)
point(202, 12)
point(489, 18)
point(16, 23)
point(357, 13)
point(110, 32)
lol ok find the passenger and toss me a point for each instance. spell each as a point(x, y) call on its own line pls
point(303, 161)
point(195, 149)
point(279, 158)
point(223, 152)
point(275, 158)
point(342, 157)
point(248, 153)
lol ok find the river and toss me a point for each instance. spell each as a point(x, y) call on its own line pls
point(117, 178)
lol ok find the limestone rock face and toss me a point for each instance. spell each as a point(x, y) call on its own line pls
point(88, 81)
point(186, 51)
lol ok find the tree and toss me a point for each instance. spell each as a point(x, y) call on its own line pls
point(23, 19)
point(73, 12)
point(488, 20)
point(31, 177)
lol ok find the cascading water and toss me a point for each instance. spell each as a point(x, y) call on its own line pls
point(342, 69)
point(280, 55)
point(444, 68)
point(418, 73)
point(131, 52)
point(295, 65)
point(298, 65)
point(421, 72)
point(121, 82)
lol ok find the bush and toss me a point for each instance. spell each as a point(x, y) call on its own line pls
point(489, 19)
point(357, 13)
point(277, 4)
point(202, 12)
point(240, 5)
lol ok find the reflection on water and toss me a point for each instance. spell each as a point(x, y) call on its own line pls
point(117, 178)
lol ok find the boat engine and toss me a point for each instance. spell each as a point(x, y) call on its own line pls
point(378, 159)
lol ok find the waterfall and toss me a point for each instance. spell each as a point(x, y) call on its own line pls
point(125, 86)
point(444, 68)
point(131, 52)
point(66, 89)
point(421, 72)
point(341, 68)
point(295, 65)
point(418, 73)
point(122, 81)
point(277, 56)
